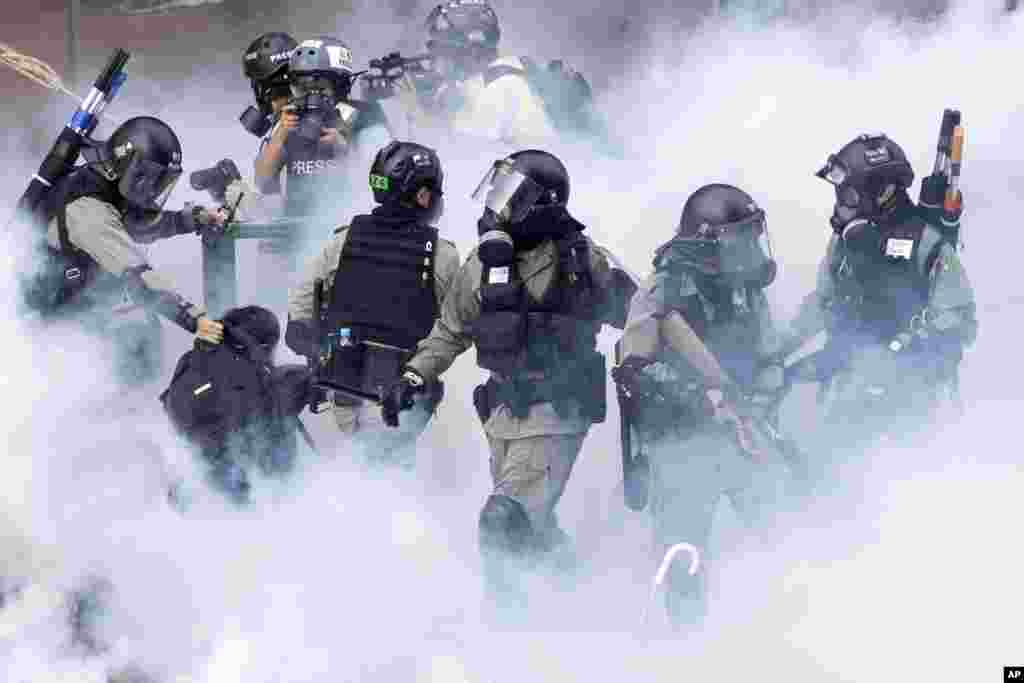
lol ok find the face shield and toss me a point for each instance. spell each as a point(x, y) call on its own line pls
point(146, 185)
point(739, 252)
point(507, 192)
point(740, 247)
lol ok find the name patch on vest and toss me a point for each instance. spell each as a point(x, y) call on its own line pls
point(899, 248)
point(498, 276)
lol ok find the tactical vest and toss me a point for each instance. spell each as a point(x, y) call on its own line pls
point(728, 322)
point(545, 350)
point(882, 275)
point(382, 301)
point(63, 274)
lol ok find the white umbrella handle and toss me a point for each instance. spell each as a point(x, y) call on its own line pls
point(666, 563)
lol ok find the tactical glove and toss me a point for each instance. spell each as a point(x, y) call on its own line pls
point(630, 374)
point(399, 396)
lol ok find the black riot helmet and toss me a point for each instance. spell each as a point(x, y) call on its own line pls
point(143, 158)
point(401, 169)
point(868, 174)
point(523, 182)
point(265, 64)
point(722, 234)
point(465, 31)
point(524, 197)
point(321, 66)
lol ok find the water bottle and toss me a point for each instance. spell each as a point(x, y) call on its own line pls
point(344, 337)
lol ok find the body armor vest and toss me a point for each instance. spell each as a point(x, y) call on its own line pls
point(382, 301)
point(882, 278)
point(544, 349)
point(65, 272)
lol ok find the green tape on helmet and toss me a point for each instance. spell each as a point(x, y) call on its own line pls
point(379, 182)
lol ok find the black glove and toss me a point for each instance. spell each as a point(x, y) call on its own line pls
point(399, 396)
point(630, 375)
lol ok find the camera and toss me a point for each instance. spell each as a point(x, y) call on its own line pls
point(316, 111)
point(215, 179)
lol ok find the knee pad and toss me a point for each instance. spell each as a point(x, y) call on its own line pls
point(504, 525)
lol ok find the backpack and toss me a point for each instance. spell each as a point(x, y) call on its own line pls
point(566, 94)
point(222, 391)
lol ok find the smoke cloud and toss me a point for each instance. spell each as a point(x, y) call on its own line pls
point(909, 570)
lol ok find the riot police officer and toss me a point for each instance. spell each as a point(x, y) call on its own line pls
point(693, 368)
point(381, 282)
point(316, 129)
point(892, 295)
point(93, 265)
point(470, 90)
point(531, 298)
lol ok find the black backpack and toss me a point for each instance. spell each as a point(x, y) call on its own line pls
point(566, 94)
point(222, 389)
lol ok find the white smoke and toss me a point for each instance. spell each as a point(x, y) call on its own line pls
point(911, 572)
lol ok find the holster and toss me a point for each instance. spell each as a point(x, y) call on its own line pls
point(583, 382)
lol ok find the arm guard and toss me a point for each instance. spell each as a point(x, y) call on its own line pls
point(147, 229)
point(167, 304)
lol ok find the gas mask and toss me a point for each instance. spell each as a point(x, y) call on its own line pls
point(509, 197)
point(859, 196)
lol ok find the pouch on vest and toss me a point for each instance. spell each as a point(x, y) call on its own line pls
point(57, 282)
point(195, 398)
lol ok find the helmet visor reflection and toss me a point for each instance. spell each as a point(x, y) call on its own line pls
point(507, 192)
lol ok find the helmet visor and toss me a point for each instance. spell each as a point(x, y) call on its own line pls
point(744, 246)
point(147, 185)
point(739, 248)
point(507, 192)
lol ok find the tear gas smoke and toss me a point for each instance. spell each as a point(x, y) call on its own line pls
point(909, 571)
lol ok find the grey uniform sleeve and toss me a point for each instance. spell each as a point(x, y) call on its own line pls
point(812, 316)
point(451, 334)
point(615, 284)
point(300, 297)
point(96, 228)
point(300, 332)
point(446, 270)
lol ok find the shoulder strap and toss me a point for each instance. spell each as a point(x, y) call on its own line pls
point(62, 229)
point(497, 71)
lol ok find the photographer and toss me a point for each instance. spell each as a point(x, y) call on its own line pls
point(265, 64)
point(317, 130)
